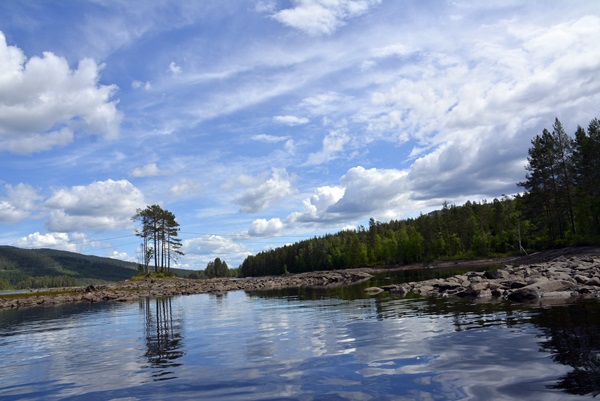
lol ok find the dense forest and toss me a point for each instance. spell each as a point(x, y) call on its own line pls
point(560, 206)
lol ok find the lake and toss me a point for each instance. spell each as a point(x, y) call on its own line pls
point(301, 345)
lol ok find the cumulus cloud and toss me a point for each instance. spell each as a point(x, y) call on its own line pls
point(261, 195)
point(148, 170)
point(291, 120)
point(264, 227)
point(121, 256)
point(212, 245)
point(362, 193)
point(322, 17)
point(102, 205)
point(62, 241)
point(44, 103)
point(333, 144)
point(315, 207)
point(18, 203)
point(470, 118)
point(370, 191)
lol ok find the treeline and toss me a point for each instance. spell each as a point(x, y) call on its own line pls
point(475, 229)
point(214, 269)
point(48, 282)
point(560, 206)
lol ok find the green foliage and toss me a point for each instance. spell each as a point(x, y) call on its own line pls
point(159, 231)
point(217, 268)
point(194, 275)
point(158, 275)
point(562, 202)
point(454, 232)
point(36, 268)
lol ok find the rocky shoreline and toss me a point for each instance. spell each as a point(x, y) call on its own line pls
point(132, 290)
point(546, 276)
point(554, 274)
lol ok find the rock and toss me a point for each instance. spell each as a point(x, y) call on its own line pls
point(594, 281)
point(396, 289)
point(373, 290)
point(518, 284)
point(492, 274)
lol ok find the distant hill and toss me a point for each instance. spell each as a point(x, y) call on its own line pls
point(36, 268)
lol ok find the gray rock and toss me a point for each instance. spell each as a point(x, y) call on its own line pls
point(373, 290)
point(594, 281)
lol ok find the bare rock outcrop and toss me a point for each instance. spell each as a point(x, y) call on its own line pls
point(561, 277)
point(132, 290)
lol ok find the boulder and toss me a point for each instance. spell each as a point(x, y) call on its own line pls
point(594, 281)
point(373, 290)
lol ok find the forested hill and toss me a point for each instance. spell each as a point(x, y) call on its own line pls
point(38, 268)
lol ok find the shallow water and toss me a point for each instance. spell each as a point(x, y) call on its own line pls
point(300, 345)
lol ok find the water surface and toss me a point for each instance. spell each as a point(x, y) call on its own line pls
point(300, 345)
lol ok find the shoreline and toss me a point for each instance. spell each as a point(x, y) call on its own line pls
point(132, 290)
point(556, 274)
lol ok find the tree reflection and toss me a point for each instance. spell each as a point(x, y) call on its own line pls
point(163, 337)
point(573, 333)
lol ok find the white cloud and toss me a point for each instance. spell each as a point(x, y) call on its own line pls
point(183, 187)
point(53, 240)
point(43, 103)
point(371, 191)
point(121, 256)
point(148, 170)
point(212, 245)
point(102, 205)
point(264, 227)
point(315, 207)
point(291, 120)
point(174, 68)
point(363, 193)
point(325, 103)
point(141, 85)
point(199, 251)
point(319, 17)
point(396, 49)
point(269, 138)
point(11, 214)
point(18, 204)
point(260, 196)
point(333, 145)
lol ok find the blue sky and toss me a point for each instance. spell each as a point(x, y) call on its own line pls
point(261, 123)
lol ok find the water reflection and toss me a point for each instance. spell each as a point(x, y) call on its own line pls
point(164, 341)
point(573, 338)
point(240, 347)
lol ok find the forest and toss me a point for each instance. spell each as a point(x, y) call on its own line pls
point(559, 206)
point(45, 268)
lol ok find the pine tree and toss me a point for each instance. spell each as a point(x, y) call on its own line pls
point(586, 171)
point(159, 228)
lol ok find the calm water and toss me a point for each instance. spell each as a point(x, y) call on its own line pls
point(302, 345)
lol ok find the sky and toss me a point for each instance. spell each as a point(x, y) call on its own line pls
point(263, 123)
